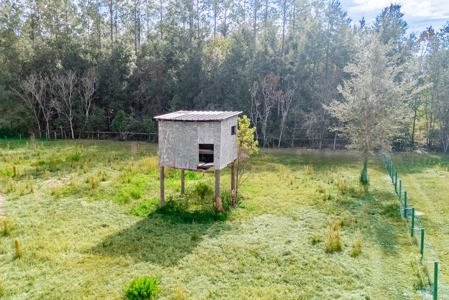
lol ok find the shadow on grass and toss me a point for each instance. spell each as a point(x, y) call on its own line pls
point(386, 224)
point(158, 240)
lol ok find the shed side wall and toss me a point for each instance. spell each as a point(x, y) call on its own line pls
point(228, 152)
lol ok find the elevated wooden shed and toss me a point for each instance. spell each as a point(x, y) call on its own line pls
point(198, 141)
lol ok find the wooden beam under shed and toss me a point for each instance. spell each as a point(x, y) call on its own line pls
point(218, 203)
point(162, 201)
point(182, 182)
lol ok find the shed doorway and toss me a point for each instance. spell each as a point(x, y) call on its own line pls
point(205, 156)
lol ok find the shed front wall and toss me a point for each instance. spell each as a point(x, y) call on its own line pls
point(178, 146)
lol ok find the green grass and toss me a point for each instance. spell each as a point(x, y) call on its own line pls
point(84, 241)
point(425, 178)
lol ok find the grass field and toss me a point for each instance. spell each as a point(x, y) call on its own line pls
point(426, 180)
point(85, 215)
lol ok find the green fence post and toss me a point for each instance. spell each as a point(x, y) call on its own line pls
point(422, 243)
point(391, 170)
point(435, 281)
point(400, 190)
point(396, 182)
point(405, 204)
point(413, 222)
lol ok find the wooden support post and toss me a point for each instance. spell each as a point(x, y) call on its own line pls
point(162, 203)
point(218, 203)
point(233, 187)
point(182, 182)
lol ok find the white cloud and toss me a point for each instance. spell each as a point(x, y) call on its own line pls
point(418, 14)
point(411, 8)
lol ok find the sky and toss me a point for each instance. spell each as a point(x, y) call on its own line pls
point(418, 14)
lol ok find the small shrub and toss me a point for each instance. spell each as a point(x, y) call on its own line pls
point(315, 239)
point(392, 210)
point(195, 236)
point(142, 288)
point(357, 246)
point(56, 192)
point(202, 190)
point(333, 237)
point(18, 250)
point(74, 157)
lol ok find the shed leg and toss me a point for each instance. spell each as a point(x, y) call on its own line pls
point(182, 182)
point(233, 189)
point(218, 203)
point(162, 187)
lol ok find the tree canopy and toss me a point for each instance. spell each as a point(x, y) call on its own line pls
point(77, 66)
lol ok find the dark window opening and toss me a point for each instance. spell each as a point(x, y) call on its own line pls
point(206, 153)
point(233, 130)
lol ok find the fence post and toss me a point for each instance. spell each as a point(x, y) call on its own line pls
point(435, 281)
point(413, 222)
point(391, 170)
point(422, 243)
point(405, 204)
point(400, 190)
point(396, 182)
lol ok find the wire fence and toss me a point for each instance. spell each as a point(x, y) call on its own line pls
point(428, 268)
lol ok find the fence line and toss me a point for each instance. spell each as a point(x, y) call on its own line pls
point(431, 271)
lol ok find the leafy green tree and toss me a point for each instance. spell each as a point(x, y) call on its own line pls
point(374, 109)
point(120, 121)
point(246, 146)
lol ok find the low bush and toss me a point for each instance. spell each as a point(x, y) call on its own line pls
point(142, 288)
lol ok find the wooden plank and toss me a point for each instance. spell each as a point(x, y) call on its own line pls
point(206, 151)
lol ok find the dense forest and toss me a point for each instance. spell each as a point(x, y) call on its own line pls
point(112, 65)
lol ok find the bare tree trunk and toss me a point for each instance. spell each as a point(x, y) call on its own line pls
point(161, 17)
point(111, 14)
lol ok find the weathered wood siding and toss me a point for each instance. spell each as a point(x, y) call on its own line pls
point(179, 143)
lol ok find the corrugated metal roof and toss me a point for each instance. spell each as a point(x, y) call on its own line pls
point(192, 116)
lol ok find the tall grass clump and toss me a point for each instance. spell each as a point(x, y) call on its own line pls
point(85, 167)
point(18, 250)
point(2, 287)
point(342, 185)
point(333, 237)
point(357, 246)
point(309, 170)
point(6, 229)
point(142, 288)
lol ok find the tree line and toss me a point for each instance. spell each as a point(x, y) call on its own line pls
point(112, 65)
